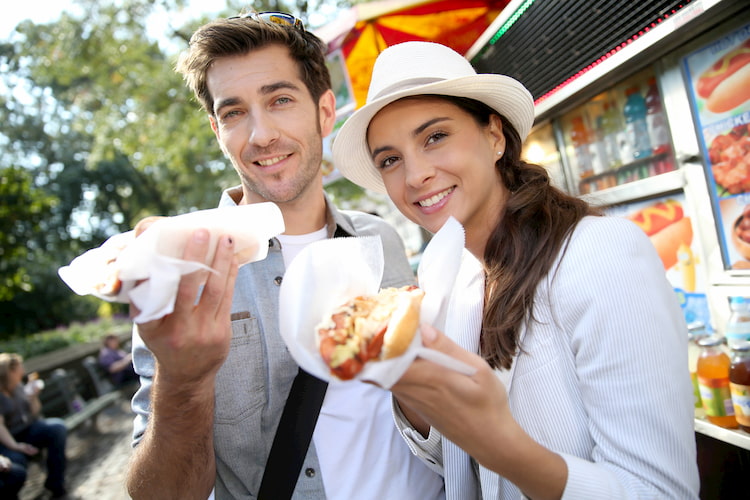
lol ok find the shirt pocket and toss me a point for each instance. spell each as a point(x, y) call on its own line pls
point(240, 383)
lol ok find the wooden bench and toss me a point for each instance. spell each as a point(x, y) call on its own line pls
point(61, 397)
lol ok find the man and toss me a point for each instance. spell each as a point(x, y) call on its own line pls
point(117, 362)
point(213, 393)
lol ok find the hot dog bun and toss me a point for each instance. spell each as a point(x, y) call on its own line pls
point(731, 92)
point(656, 217)
point(668, 240)
point(667, 228)
point(403, 323)
point(369, 328)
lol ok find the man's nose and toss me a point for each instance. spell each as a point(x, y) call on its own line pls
point(263, 130)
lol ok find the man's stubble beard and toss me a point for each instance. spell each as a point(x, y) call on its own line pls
point(292, 188)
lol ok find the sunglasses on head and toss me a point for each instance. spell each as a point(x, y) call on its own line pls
point(281, 18)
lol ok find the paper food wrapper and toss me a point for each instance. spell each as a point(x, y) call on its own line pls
point(328, 273)
point(155, 256)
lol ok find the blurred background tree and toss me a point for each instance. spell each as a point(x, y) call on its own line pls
point(97, 132)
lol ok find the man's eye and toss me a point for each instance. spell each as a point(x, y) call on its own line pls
point(283, 100)
point(230, 114)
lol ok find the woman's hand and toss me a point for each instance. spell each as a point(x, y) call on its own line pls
point(464, 409)
point(473, 412)
point(27, 449)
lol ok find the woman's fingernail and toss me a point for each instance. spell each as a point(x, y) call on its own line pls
point(428, 333)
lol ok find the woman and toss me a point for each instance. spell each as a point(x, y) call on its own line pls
point(22, 432)
point(581, 389)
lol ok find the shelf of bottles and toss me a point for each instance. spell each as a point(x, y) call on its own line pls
point(619, 136)
point(736, 437)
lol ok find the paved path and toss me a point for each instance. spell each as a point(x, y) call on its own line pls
point(97, 459)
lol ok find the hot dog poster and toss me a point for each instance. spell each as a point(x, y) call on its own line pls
point(667, 223)
point(719, 89)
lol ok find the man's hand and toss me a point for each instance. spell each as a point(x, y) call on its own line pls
point(192, 342)
point(175, 458)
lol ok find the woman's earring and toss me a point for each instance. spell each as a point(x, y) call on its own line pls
point(499, 153)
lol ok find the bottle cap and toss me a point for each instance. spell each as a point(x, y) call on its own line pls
point(741, 346)
point(736, 300)
point(711, 341)
point(697, 330)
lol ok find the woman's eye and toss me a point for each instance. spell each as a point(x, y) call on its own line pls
point(387, 162)
point(435, 137)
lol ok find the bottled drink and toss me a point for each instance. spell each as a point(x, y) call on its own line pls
point(635, 123)
point(657, 122)
point(713, 381)
point(696, 332)
point(600, 145)
point(611, 128)
point(739, 384)
point(738, 325)
point(581, 139)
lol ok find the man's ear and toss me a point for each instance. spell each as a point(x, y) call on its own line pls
point(327, 112)
point(215, 128)
point(214, 125)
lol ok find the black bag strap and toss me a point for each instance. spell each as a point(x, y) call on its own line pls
point(292, 437)
point(295, 431)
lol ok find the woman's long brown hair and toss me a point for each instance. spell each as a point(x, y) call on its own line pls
point(524, 245)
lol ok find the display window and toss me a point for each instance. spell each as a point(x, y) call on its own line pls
point(619, 136)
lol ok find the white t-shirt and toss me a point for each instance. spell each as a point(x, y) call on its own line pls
point(292, 244)
point(356, 440)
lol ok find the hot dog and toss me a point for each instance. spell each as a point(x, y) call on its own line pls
point(110, 284)
point(369, 328)
point(726, 84)
point(125, 261)
point(170, 242)
point(656, 217)
point(667, 228)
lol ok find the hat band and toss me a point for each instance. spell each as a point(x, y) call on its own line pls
point(404, 85)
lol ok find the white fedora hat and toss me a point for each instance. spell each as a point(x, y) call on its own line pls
point(417, 68)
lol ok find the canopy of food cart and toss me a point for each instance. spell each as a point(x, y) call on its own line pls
point(364, 30)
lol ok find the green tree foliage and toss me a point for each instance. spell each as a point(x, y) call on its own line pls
point(23, 211)
point(98, 131)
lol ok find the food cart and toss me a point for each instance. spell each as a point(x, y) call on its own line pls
point(635, 113)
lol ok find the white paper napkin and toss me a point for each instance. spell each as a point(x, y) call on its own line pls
point(155, 256)
point(328, 273)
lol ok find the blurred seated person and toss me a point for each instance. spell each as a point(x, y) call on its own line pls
point(12, 477)
point(22, 432)
point(117, 362)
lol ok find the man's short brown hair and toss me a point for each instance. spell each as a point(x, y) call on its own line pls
point(240, 35)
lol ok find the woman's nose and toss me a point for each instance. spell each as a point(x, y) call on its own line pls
point(418, 172)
